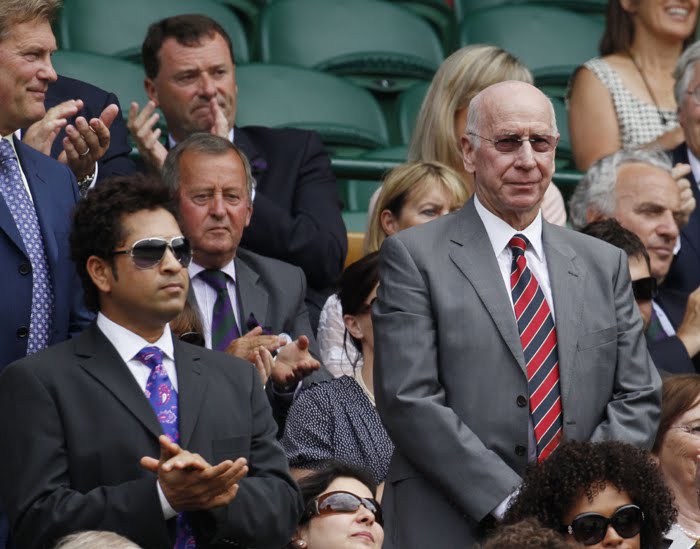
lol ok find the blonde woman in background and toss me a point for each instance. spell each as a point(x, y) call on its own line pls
point(443, 115)
point(412, 194)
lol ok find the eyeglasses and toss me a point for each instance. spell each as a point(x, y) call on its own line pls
point(590, 528)
point(343, 502)
point(149, 252)
point(512, 143)
point(644, 289)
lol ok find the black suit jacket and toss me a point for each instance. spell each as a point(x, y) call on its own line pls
point(116, 160)
point(684, 275)
point(670, 355)
point(86, 423)
point(296, 214)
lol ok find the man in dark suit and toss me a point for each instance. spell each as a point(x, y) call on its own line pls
point(497, 333)
point(637, 189)
point(73, 108)
point(127, 429)
point(213, 184)
point(190, 76)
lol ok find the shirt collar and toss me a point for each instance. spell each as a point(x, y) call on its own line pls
point(172, 143)
point(230, 269)
point(500, 232)
point(128, 344)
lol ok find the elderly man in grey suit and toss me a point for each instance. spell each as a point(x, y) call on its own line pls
point(498, 334)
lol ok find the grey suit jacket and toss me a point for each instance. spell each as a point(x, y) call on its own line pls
point(450, 377)
point(75, 425)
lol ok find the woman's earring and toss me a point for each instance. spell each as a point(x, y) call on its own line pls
point(299, 544)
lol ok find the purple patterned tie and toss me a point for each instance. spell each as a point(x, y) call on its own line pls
point(163, 398)
point(22, 209)
point(223, 322)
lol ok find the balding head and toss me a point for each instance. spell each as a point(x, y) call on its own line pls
point(509, 147)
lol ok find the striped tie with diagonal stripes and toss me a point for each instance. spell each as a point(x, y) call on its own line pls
point(223, 323)
point(538, 337)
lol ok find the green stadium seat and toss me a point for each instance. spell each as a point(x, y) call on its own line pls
point(439, 14)
point(346, 116)
point(408, 107)
point(552, 42)
point(118, 27)
point(564, 156)
point(376, 44)
point(596, 8)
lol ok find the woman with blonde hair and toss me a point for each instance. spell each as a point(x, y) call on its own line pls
point(443, 115)
point(412, 194)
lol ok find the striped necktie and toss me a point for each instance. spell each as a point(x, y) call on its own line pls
point(223, 322)
point(538, 337)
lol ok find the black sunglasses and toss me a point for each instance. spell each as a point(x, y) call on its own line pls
point(590, 528)
point(342, 502)
point(644, 289)
point(149, 252)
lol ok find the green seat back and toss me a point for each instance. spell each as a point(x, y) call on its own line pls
point(346, 116)
point(597, 8)
point(118, 27)
point(358, 192)
point(378, 45)
point(439, 14)
point(409, 104)
point(552, 42)
point(564, 156)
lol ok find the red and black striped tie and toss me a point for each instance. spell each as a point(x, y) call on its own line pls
point(538, 337)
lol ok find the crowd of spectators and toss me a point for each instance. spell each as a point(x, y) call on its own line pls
point(185, 362)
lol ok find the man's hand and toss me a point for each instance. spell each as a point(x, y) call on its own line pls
point(263, 363)
point(220, 126)
point(679, 173)
point(293, 363)
point(86, 142)
point(245, 346)
point(189, 483)
point(141, 126)
point(42, 133)
point(689, 330)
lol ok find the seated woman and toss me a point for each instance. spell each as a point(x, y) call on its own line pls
point(625, 97)
point(676, 448)
point(337, 419)
point(602, 494)
point(340, 510)
point(412, 194)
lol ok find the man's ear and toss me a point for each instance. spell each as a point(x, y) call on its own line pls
point(101, 273)
point(151, 91)
point(594, 215)
point(353, 327)
point(468, 153)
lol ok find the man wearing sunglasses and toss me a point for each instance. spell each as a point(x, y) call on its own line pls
point(497, 334)
point(127, 429)
point(263, 297)
point(637, 189)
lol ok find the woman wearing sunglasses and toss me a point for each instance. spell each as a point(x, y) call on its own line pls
point(676, 448)
point(599, 495)
point(340, 510)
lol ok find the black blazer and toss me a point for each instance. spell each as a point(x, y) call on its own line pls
point(85, 424)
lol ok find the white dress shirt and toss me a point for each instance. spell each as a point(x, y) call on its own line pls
point(128, 344)
point(206, 297)
point(21, 171)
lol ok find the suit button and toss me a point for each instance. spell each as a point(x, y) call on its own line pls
point(22, 332)
point(521, 401)
point(520, 450)
point(24, 269)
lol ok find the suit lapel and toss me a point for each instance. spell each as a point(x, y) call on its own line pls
point(258, 163)
point(252, 298)
point(472, 253)
point(98, 357)
point(566, 282)
point(692, 230)
point(191, 384)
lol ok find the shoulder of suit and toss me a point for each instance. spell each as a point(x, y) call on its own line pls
point(43, 162)
point(263, 264)
point(269, 139)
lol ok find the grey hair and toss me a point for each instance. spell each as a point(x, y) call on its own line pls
point(596, 190)
point(94, 539)
point(204, 143)
point(685, 71)
point(474, 117)
point(13, 12)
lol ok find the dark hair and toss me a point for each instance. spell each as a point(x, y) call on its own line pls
point(98, 221)
point(610, 231)
point(188, 30)
point(619, 30)
point(526, 534)
point(550, 490)
point(680, 393)
point(355, 284)
point(315, 483)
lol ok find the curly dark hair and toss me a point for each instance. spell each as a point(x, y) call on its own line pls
point(97, 221)
point(552, 488)
point(526, 534)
